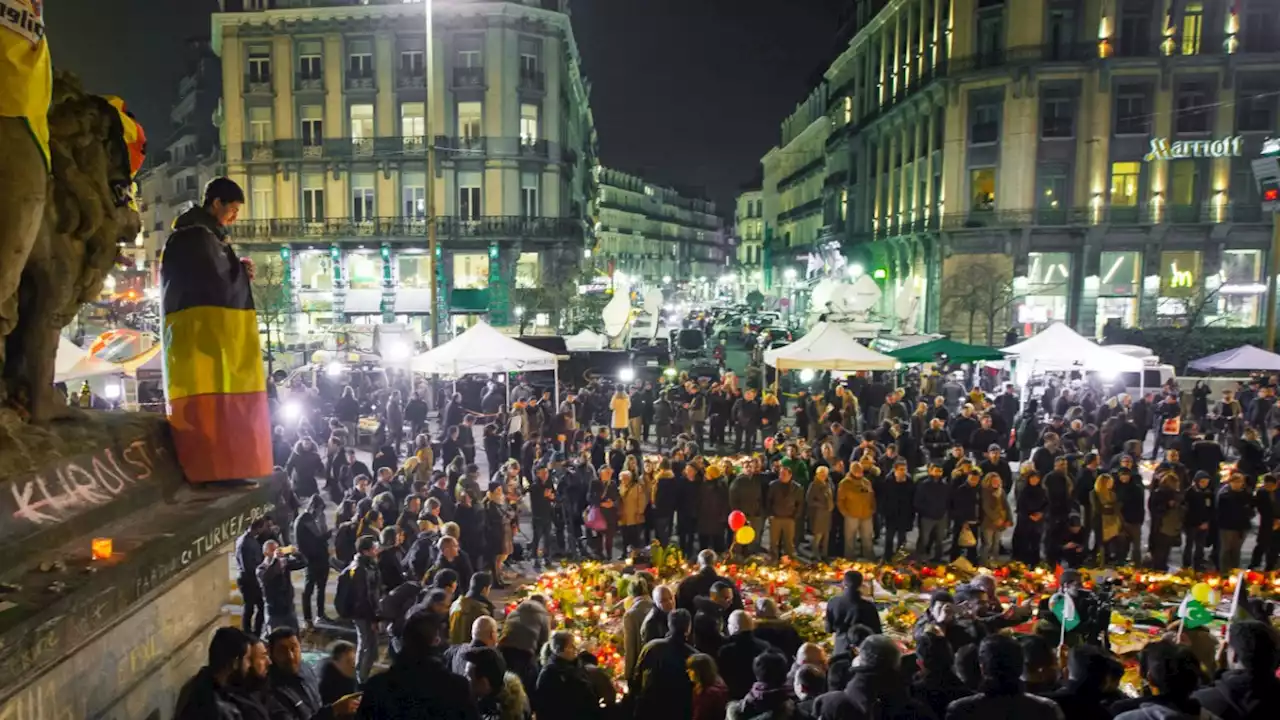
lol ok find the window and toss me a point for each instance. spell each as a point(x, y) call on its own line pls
point(469, 195)
point(361, 123)
point(1259, 28)
point(1062, 34)
point(986, 125)
point(1254, 109)
point(364, 270)
point(468, 59)
point(1124, 184)
point(1056, 118)
point(1193, 109)
point(528, 65)
point(528, 270)
point(1179, 273)
point(1132, 117)
point(1119, 273)
point(313, 197)
point(1192, 23)
point(260, 65)
point(413, 270)
point(260, 125)
point(412, 63)
point(982, 189)
point(470, 271)
point(262, 197)
point(469, 117)
point(315, 270)
point(990, 49)
point(848, 109)
point(1053, 189)
point(1135, 35)
point(362, 208)
point(360, 59)
point(528, 123)
point(1182, 183)
point(310, 61)
point(413, 193)
point(413, 121)
point(312, 125)
point(529, 195)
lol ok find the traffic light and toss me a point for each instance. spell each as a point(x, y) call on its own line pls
point(1266, 170)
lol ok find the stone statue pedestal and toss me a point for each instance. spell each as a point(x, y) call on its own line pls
point(113, 637)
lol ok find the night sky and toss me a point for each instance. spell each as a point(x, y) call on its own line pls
point(685, 92)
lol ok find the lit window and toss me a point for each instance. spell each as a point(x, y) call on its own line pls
point(528, 123)
point(982, 185)
point(1192, 21)
point(1124, 184)
point(470, 271)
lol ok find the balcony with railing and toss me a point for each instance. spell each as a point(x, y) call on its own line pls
point(361, 81)
point(468, 77)
point(258, 151)
point(407, 146)
point(482, 227)
point(255, 84)
point(534, 80)
point(411, 80)
point(306, 82)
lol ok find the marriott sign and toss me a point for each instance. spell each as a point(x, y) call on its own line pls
point(1162, 149)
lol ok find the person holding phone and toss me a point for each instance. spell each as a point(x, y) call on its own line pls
point(293, 690)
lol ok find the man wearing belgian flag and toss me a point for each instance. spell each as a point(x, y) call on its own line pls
point(215, 384)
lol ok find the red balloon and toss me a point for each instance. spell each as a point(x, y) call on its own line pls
point(736, 520)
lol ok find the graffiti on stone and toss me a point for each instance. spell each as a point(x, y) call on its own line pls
point(80, 484)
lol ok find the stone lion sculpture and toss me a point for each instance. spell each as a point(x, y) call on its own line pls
point(87, 214)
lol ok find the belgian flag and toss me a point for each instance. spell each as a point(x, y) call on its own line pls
point(215, 383)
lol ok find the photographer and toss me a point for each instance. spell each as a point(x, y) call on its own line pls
point(1094, 611)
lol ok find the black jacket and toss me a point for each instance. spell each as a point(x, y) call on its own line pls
point(1238, 695)
point(277, 582)
point(987, 706)
point(781, 634)
point(699, 584)
point(895, 501)
point(333, 684)
point(460, 564)
point(390, 570)
point(654, 626)
point(660, 681)
point(312, 543)
point(932, 498)
point(1235, 509)
point(563, 691)
point(846, 610)
point(964, 503)
point(1198, 502)
point(1032, 499)
point(1133, 501)
point(248, 556)
point(417, 688)
point(1058, 487)
point(367, 588)
point(295, 697)
point(1077, 700)
point(884, 696)
point(202, 699)
point(938, 691)
point(735, 660)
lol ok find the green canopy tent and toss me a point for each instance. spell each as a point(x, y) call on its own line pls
point(956, 352)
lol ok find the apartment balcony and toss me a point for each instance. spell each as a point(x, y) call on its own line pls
point(535, 80)
point(468, 77)
point(308, 83)
point(485, 227)
point(497, 147)
point(411, 81)
point(258, 151)
point(361, 82)
point(257, 85)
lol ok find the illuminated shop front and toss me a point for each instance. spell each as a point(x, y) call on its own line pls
point(315, 273)
point(1119, 289)
point(1180, 283)
point(1047, 293)
point(1242, 295)
point(362, 303)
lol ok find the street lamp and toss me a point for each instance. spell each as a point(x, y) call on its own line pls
point(666, 279)
point(430, 188)
point(855, 271)
point(790, 274)
point(519, 311)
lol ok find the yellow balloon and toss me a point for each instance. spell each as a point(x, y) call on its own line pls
point(1201, 592)
point(745, 535)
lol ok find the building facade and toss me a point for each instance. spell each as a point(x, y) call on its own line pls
point(182, 158)
point(657, 234)
point(1082, 160)
point(748, 236)
point(324, 124)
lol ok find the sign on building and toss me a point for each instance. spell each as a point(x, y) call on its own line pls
point(1162, 149)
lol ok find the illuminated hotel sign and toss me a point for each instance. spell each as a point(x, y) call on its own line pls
point(1162, 149)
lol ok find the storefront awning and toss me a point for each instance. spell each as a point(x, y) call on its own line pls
point(413, 301)
point(363, 302)
point(469, 301)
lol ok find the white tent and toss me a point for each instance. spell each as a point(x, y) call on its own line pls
point(72, 363)
point(827, 347)
point(1058, 348)
point(484, 351)
point(585, 340)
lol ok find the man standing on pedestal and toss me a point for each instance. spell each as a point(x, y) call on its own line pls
point(214, 378)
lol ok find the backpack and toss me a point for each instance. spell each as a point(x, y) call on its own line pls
point(344, 597)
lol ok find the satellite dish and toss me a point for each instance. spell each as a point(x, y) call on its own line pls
point(823, 293)
point(617, 312)
point(905, 306)
point(653, 302)
point(858, 298)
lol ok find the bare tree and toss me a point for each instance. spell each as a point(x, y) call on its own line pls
point(274, 301)
point(1190, 312)
point(979, 290)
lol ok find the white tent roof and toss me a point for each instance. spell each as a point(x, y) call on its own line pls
point(827, 347)
point(585, 340)
point(73, 363)
point(1059, 348)
point(482, 350)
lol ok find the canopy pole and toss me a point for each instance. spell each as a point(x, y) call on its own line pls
point(555, 381)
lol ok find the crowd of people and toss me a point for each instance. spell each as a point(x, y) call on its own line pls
point(420, 539)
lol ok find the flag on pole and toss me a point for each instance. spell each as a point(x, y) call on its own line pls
point(1238, 600)
point(1193, 613)
point(1064, 608)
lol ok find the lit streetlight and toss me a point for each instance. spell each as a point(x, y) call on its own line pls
point(790, 274)
point(855, 270)
point(519, 311)
point(666, 279)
